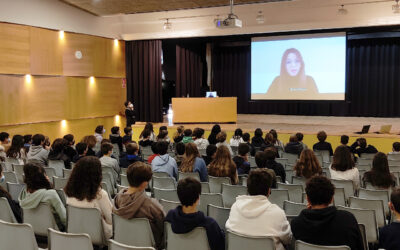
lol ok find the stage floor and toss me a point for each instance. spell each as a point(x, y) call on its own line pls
point(289, 124)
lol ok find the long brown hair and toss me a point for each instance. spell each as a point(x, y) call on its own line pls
point(342, 159)
point(308, 165)
point(223, 165)
point(191, 153)
point(380, 175)
point(284, 74)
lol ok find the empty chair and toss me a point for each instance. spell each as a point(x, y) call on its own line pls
point(293, 208)
point(194, 240)
point(166, 194)
point(59, 183)
point(183, 175)
point(376, 205)
point(339, 198)
point(86, 220)
point(295, 191)
point(113, 245)
point(65, 241)
point(237, 241)
point(216, 183)
point(40, 218)
point(219, 214)
point(50, 172)
point(169, 205)
point(19, 171)
point(278, 196)
point(14, 189)
point(213, 199)
point(300, 245)
point(124, 180)
point(382, 195)
point(164, 182)
point(58, 165)
point(366, 217)
point(299, 181)
point(17, 236)
point(139, 228)
point(292, 158)
point(6, 213)
point(347, 185)
point(205, 187)
point(230, 192)
point(67, 173)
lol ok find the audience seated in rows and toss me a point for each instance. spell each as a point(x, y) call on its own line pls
point(57, 152)
point(212, 138)
point(211, 152)
point(127, 138)
point(223, 165)
point(13, 205)
point(192, 162)
point(389, 235)
point(322, 145)
point(81, 150)
point(237, 138)
point(293, 147)
point(38, 152)
point(84, 190)
point(38, 190)
point(69, 149)
point(90, 141)
point(255, 215)
point(186, 217)
point(187, 136)
point(300, 137)
point(360, 147)
point(132, 202)
point(163, 162)
point(307, 165)
point(107, 161)
point(261, 162)
point(379, 176)
point(322, 224)
point(343, 167)
point(145, 140)
point(178, 136)
point(395, 148)
point(131, 156)
point(221, 138)
point(270, 155)
point(198, 137)
point(17, 149)
point(163, 134)
point(242, 159)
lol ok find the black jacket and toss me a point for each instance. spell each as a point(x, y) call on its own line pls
point(212, 139)
point(127, 160)
point(356, 149)
point(257, 142)
point(323, 146)
point(90, 152)
point(130, 117)
point(294, 148)
point(60, 156)
point(389, 236)
point(117, 139)
point(182, 223)
point(207, 159)
point(242, 166)
point(328, 227)
point(278, 169)
point(70, 151)
point(146, 143)
point(14, 206)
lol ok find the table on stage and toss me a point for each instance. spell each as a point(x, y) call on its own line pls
point(205, 110)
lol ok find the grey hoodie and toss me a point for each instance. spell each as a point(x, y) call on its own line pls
point(39, 154)
point(166, 164)
point(32, 200)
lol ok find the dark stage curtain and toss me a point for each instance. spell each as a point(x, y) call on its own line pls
point(143, 71)
point(189, 69)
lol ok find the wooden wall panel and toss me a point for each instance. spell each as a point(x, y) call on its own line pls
point(14, 49)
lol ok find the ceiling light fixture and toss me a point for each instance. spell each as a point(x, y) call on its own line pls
point(342, 10)
point(260, 17)
point(167, 25)
point(396, 7)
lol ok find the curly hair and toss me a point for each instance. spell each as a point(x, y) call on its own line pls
point(85, 180)
point(35, 177)
point(191, 153)
point(308, 165)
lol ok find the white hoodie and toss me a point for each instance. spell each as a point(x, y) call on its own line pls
point(256, 216)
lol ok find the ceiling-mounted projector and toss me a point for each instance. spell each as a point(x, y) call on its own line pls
point(232, 21)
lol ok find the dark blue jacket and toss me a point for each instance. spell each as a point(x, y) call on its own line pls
point(389, 236)
point(127, 160)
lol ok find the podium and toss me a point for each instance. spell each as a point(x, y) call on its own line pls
point(205, 110)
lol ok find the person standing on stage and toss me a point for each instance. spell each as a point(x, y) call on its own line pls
point(130, 114)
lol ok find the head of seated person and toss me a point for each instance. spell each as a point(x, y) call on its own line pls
point(180, 148)
point(115, 131)
point(146, 134)
point(246, 137)
point(198, 133)
point(81, 148)
point(396, 147)
point(139, 174)
point(106, 149)
point(69, 138)
point(35, 177)
point(342, 160)
point(261, 159)
point(394, 203)
point(221, 137)
point(132, 148)
point(258, 132)
point(299, 136)
point(189, 190)
point(321, 136)
point(259, 182)
point(162, 147)
point(320, 191)
point(344, 139)
point(187, 132)
point(38, 140)
point(270, 153)
point(243, 150)
point(293, 139)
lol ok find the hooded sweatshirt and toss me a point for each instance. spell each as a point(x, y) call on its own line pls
point(182, 223)
point(39, 154)
point(166, 164)
point(187, 139)
point(243, 167)
point(139, 205)
point(327, 226)
point(201, 143)
point(293, 148)
point(117, 139)
point(257, 216)
point(32, 200)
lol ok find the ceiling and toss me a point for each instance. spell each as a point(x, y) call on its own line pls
point(113, 7)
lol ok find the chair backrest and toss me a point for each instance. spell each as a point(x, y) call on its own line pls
point(166, 194)
point(325, 154)
point(252, 161)
point(320, 159)
point(65, 241)
point(194, 240)
point(293, 208)
point(139, 227)
point(394, 162)
point(363, 235)
point(14, 189)
point(183, 175)
point(160, 174)
point(292, 158)
point(146, 152)
point(109, 179)
point(168, 205)
point(278, 196)
point(301, 245)
point(297, 180)
point(235, 150)
point(367, 156)
point(382, 195)
point(17, 236)
point(339, 199)
point(164, 182)
point(295, 191)
point(86, 220)
point(216, 183)
point(289, 174)
point(282, 161)
point(10, 177)
point(394, 168)
point(111, 172)
point(365, 167)
point(58, 165)
point(366, 217)
point(19, 171)
point(237, 241)
point(113, 245)
point(59, 182)
point(213, 199)
point(6, 213)
point(124, 171)
point(219, 214)
point(67, 173)
point(230, 192)
point(13, 160)
point(124, 180)
point(394, 157)
point(50, 172)
point(40, 218)
point(115, 151)
point(346, 184)
point(205, 187)
point(376, 205)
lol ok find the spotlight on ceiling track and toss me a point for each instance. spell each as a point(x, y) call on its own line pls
point(342, 10)
point(167, 25)
point(260, 17)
